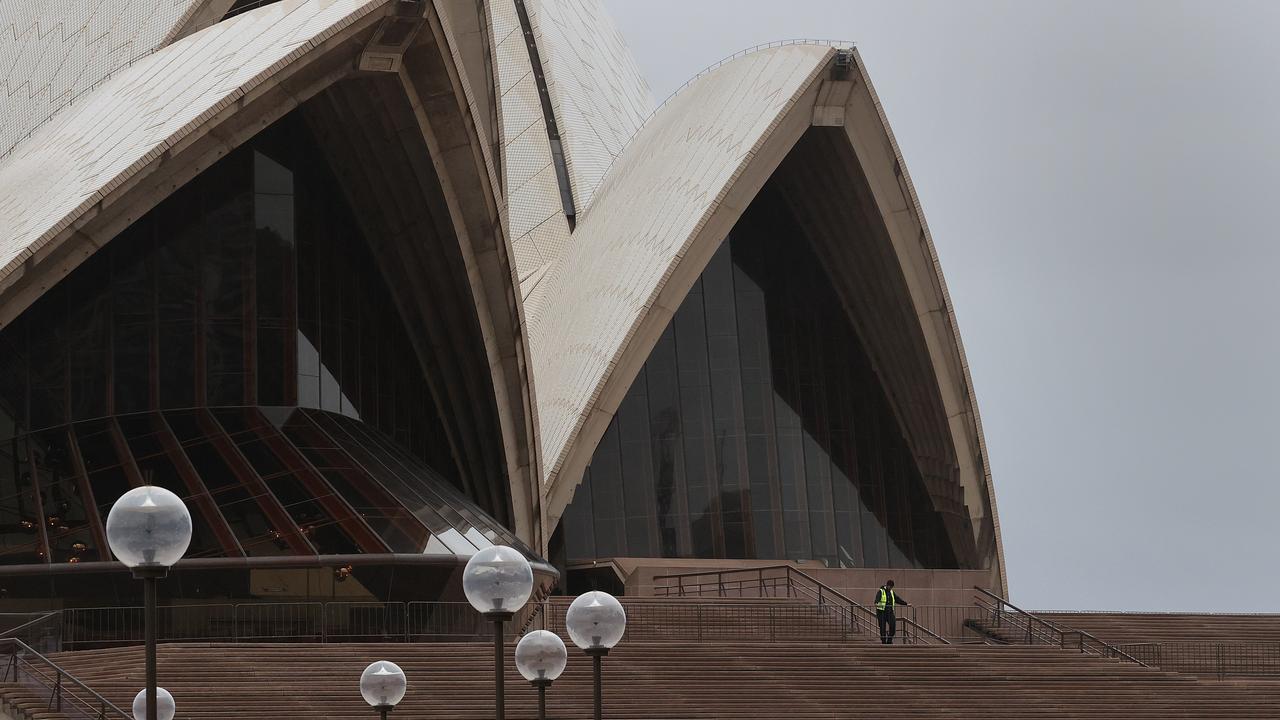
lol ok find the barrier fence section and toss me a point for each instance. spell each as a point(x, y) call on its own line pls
point(1222, 661)
point(953, 622)
point(288, 622)
point(685, 620)
point(778, 581)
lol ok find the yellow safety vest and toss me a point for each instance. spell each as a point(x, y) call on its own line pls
point(885, 600)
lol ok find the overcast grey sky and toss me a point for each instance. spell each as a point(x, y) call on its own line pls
point(1100, 180)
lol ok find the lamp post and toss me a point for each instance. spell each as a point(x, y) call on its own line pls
point(165, 706)
point(596, 622)
point(540, 658)
point(383, 686)
point(498, 581)
point(149, 529)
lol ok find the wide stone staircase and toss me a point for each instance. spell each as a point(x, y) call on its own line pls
point(658, 680)
point(788, 656)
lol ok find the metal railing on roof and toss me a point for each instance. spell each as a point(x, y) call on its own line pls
point(838, 44)
point(239, 9)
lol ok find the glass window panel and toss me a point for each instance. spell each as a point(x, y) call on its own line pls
point(271, 366)
point(97, 448)
point(258, 536)
point(87, 352)
point(260, 456)
point(214, 470)
point(330, 539)
point(142, 433)
point(225, 359)
point(769, 432)
point(65, 508)
point(13, 378)
point(47, 364)
point(185, 426)
point(20, 518)
point(176, 351)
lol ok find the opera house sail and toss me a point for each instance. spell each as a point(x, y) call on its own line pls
point(374, 284)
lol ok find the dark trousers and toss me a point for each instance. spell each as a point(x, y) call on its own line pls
point(888, 625)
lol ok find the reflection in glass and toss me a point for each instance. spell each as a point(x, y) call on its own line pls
point(758, 428)
point(239, 346)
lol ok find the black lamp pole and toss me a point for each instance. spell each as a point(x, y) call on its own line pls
point(500, 700)
point(383, 709)
point(149, 576)
point(596, 655)
point(542, 684)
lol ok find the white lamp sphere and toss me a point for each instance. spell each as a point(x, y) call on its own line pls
point(149, 527)
point(541, 655)
point(497, 579)
point(165, 706)
point(595, 620)
point(383, 683)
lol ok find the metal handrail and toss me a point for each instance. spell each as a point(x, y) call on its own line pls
point(13, 632)
point(821, 594)
point(1054, 635)
point(20, 653)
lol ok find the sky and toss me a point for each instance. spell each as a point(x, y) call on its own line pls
point(1100, 180)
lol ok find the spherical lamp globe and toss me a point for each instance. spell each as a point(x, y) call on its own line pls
point(149, 527)
point(383, 684)
point(541, 656)
point(165, 706)
point(497, 579)
point(596, 621)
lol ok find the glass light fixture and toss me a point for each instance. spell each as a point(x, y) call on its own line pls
point(596, 621)
point(149, 527)
point(541, 656)
point(165, 706)
point(383, 684)
point(497, 579)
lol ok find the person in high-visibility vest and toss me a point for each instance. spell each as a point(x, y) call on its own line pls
point(886, 599)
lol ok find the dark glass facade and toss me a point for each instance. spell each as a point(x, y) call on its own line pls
point(259, 482)
point(239, 346)
point(758, 428)
point(249, 286)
